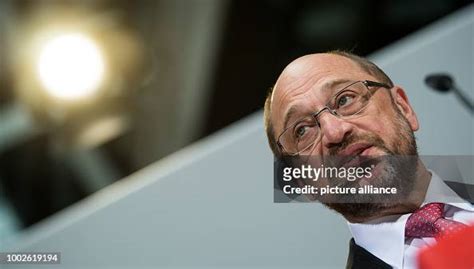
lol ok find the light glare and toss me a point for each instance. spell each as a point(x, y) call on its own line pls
point(71, 67)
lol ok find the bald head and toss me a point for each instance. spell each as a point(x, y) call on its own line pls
point(310, 74)
point(303, 69)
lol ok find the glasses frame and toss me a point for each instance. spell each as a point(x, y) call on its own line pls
point(315, 115)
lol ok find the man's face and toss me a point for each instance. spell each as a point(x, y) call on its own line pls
point(385, 127)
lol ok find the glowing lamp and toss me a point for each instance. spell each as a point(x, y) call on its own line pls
point(70, 67)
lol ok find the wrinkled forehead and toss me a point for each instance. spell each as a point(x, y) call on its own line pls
point(306, 80)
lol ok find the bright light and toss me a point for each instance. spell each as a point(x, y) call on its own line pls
point(71, 67)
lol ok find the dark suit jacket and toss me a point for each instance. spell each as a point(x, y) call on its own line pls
point(361, 258)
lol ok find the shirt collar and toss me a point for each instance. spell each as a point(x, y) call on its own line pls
point(438, 191)
point(385, 237)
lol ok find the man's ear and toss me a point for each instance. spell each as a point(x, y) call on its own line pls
point(401, 101)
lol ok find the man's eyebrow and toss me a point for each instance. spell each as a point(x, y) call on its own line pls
point(295, 108)
point(332, 83)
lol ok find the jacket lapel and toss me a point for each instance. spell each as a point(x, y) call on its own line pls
point(465, 191)
point(361, 258)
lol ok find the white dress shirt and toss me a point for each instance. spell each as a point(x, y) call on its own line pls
point(385, 237)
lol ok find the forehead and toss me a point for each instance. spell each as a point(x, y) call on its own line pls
point(303, 82)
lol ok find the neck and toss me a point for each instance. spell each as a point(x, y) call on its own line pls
point(412, 202)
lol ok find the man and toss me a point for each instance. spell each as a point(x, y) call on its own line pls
point(339, 104)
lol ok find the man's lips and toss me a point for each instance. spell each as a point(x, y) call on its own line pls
point(368, 152)
point(354, 149)
point(355, 154)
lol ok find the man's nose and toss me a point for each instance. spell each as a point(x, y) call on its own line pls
point(333, 129)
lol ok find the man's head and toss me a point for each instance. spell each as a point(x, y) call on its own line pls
point(384, 127)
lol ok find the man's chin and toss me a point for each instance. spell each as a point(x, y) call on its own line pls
point(379, 172)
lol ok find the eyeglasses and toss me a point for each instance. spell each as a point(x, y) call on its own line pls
point(350, 101)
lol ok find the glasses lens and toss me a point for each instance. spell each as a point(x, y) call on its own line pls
point(300, 136)
point(351, 100)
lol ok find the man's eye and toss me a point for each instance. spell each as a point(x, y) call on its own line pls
point(344, 100)
point(300, 131)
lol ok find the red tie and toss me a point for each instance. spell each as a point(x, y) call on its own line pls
point(428, 221)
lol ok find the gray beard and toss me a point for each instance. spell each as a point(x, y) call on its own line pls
point(399, 170)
